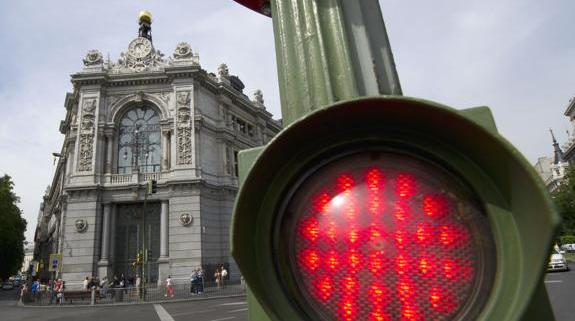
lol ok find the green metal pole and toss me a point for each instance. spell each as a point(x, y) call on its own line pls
point(330, 50)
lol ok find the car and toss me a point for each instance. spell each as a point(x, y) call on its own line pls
point(7, 286)
point(568, 247)
point(557, 262)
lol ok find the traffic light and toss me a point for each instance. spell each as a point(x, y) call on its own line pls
point(152, 187)
point(387, 207)
point(398, 207)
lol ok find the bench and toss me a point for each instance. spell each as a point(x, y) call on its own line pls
point(79, 295)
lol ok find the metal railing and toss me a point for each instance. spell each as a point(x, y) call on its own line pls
point(127, 295)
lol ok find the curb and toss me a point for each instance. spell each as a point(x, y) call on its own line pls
point(127, 303)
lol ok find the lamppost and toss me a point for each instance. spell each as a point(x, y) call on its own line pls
point(139, 144)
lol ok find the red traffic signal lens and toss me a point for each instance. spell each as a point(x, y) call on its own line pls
point(386, 236)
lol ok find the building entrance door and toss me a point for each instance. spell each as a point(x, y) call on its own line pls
point(129, 241)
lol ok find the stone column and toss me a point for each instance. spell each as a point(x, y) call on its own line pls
point(164, 260)
point(164, 230)
point(104, 264)
point(165, 150)
point(109, 151)
point(112, 246)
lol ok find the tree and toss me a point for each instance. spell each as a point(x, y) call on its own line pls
point(12, 228)
point(564, 198)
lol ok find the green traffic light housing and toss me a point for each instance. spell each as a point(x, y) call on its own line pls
point(463, 147)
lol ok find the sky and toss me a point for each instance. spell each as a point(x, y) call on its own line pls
point(515, 56)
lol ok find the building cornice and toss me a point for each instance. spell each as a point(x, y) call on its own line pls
point(569, 111)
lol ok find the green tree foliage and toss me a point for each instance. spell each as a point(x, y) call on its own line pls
point(567, 239)
point(12, 227)
point(564, 198)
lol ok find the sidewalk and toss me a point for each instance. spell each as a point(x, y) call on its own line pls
point(131, 295)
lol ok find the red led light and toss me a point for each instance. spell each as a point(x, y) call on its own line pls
point(405, 186)
point(450, 235)
point(352, 234)
point(424, 233)
point(374, 182)
point(402, 265)
point(331, 231)
point(321, 203)
point(348, 309)
point(425, 266)
point(379, 243)
point(323, 288)
point(401, 211)
point(310, 229)
point(344, 184)
point(441, 300)
point(401, 238)
point(350, 286)
point(332, 260)
point(409, 313)
point(435, 206)
point(310, 260)
point(376, 294)
point(405, 291)
point(378, 314)
point(354, 260)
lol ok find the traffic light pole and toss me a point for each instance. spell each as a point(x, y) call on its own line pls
point(144, 249)
point(328, 51)
point(337, 50)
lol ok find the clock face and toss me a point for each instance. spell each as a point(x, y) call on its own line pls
point(140, 47)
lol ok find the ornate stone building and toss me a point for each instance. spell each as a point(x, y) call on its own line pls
point(552, 170)
point(148, 117)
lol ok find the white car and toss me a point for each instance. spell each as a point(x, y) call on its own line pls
point(7, 285)
point(557, 262)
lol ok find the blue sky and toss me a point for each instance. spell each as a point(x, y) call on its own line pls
point(516, 56)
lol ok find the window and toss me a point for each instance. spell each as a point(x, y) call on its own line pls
point(139, 141)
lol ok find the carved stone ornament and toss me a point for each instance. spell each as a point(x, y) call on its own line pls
point(183, 51)
point(186, 219)
point(223, 71)
point(141, 56)
point(93, 58)
point(81, 225)
point(258, 98)
point(87, 129)
point(184, 128)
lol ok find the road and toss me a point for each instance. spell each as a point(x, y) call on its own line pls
point(227, 309)
point(561, 291)
point(560, 287)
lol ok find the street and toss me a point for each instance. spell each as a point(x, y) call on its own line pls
point(560, 287)
point(232, 309)
point(561, 290)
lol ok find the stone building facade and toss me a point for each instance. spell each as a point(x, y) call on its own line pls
point(148, 117)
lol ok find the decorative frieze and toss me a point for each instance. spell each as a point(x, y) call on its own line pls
point(184, 129)
point(87, 129)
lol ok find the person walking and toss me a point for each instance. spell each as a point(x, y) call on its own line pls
point(224, 276)
point(194, 282)
point(60, 291)
point(104, 287)
point(169, 287)
point(218, 277)
point(200, 283)
point(85, 284)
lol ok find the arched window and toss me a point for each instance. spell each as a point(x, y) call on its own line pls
point(139, 141)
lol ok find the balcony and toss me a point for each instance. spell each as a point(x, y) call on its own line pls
point(128, 179)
